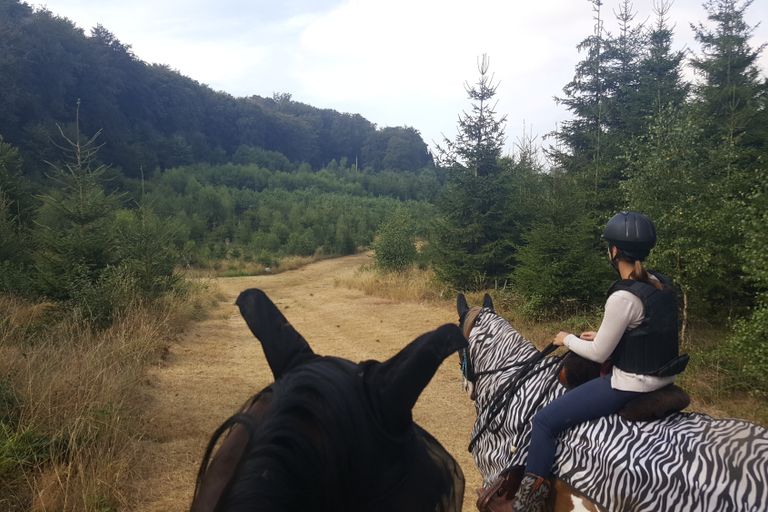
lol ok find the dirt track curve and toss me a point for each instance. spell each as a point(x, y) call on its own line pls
point(217, 364)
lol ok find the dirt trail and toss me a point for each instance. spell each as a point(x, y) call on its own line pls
point(217, 364)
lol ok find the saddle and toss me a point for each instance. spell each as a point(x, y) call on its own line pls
point(656, 405)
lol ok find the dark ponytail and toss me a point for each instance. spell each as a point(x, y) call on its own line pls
point(640, 274)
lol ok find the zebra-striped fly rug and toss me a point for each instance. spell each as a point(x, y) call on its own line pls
point(686, 462)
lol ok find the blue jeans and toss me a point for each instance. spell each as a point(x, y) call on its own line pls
point(593, 399)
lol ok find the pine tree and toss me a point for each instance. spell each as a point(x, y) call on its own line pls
point(145, 249)
point(480, 139)
point(560, 266)
point(74, 222)
point(731, 96)
point(730, 102)
point(585, 99)
point(75, 258)
point(661, 83)
point(623, 117)
point(599, 97)
point(472, 239)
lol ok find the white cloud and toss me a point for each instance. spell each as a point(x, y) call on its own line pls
point(399, 58)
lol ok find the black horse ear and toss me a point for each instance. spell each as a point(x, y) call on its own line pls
point(487, 302)
point(396, 384)
point(283, 346)
point(461, 306)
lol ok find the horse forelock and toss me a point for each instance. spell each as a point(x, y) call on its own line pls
point(303, 441)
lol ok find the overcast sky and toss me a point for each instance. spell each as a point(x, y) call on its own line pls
point(396, 62)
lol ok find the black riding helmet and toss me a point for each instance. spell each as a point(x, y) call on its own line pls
point(632, 232)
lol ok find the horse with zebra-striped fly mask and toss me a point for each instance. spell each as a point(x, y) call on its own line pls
point(686, 461)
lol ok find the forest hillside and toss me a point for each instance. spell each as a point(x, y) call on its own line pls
point(152, 117)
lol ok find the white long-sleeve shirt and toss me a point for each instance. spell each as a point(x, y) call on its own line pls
point(623, 311)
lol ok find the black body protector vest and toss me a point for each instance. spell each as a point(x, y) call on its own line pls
point(651, 348)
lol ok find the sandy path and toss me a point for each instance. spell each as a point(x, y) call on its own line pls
point(217, 364)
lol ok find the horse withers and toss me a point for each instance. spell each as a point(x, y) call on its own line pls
point(330, 434)
point(685, 461)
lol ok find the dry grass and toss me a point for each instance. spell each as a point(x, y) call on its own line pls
point(413, 285)
point(232, 267)
point(71, 428)
point(294, 262)
point(712, 390)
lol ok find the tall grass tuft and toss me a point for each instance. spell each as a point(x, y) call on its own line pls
point(68, 414)
point(412, 284)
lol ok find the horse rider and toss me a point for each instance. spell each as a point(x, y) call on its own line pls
point(638, 333)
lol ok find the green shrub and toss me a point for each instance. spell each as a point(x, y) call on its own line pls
point(745, 352)
point(395, 244)
point(145, 249)
point(560, 269)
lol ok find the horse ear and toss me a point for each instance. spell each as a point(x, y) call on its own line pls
point(461, 305)
point(487, 302)
point(283, 346)
point(396, 384)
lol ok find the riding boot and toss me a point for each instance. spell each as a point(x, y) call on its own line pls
point(532, 494)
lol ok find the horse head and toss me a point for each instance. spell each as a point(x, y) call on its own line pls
point(486, 355)
point(331, 434)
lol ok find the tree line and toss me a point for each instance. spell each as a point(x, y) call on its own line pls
point(690, 155)
point(252, 212)
point(94, 239)
point(153, 117)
